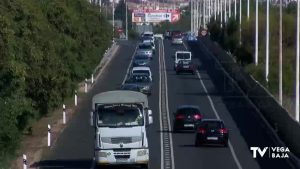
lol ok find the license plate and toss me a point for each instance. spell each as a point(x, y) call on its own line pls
point(185, 67)
point(188, 125)
point(212, 138)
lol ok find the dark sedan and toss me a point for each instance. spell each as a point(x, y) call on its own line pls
point(185, 66)
point(212, 131)
point(143, 82)
point(187, 117)
point(141, 60)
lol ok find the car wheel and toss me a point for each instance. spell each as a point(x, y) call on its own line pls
point(197, 144)
point(193, 72)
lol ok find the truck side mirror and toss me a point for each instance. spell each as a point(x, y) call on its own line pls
point(92, 119)
point(150, 117)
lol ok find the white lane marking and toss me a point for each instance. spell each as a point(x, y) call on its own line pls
point(218, 117)
point(160, 119)
point(167, 105)
point(129, 66)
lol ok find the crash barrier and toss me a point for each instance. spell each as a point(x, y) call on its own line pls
point(285, 126)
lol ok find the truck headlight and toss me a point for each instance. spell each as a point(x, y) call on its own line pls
point(146, 88)
point(102, 154)
point(141, 152)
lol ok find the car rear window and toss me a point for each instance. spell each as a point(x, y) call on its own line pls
point(188, 111)
point(211, 124)
point(183, 56)
point(141, 57)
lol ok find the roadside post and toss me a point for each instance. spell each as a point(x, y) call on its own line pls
point(75, 98)
point(85, 86)
point(49, 135)
point(64, 114)
point(24, 161)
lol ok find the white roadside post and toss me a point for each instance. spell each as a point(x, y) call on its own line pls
point(75, 98)
point(64, 114)
point(49, 135)
point(92, 78)
point(24, 161)
point(85, 86)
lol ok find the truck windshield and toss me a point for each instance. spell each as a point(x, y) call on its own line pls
point(119, 116)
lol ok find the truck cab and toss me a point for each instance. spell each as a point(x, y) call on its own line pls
point(120, 119)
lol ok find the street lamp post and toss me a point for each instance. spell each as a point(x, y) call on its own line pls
point(267, 42)
point(256, 32)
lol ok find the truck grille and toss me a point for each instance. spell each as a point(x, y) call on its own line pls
point(118, 140)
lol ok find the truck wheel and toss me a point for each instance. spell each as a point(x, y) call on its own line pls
point(144, 166)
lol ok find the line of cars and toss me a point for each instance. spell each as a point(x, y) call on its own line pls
point(140, 76)
point(189, 117)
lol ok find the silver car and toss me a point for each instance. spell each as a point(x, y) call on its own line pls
point(145, 49)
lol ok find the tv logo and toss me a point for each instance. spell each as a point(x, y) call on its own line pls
point(260, 152)
point(273, 152)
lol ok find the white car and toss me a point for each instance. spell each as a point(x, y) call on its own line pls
point(141, 70)
point(182, 55)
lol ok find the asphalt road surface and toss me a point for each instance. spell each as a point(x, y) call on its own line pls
point(207, 88)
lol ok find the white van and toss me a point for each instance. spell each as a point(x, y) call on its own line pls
point(182, 55)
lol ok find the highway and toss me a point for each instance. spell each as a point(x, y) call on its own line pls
point(208, 89)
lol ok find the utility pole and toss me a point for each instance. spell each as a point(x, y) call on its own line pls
point(280, 53)
point(297, 62)
point(248, 9)
point(221, 13)
point(204, 14)
point(209, 10)
point(225, 12)
point(240, 22)
point(256, 32)
point(235, 9)
point(113, 17)
point(126, 19)
point(229, 8)
point(267, 42)
point(191, 15)
point(215, 9)
point(197, 16)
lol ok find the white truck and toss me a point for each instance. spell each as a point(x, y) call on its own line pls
point(120, 119)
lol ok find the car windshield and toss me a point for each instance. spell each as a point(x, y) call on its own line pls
point(119, 116)
point(141, 57)
point(211, 124)
point(183, 56)
point(145, 46)
point(146, 72)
